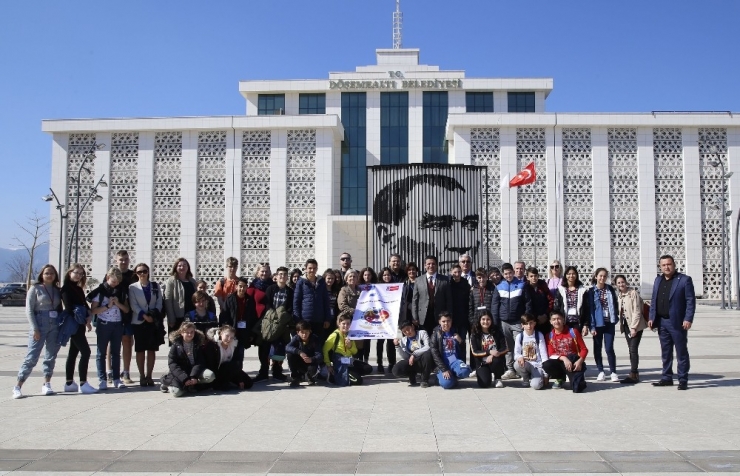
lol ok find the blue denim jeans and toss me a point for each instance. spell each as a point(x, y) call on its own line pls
point(49, 330)
point(605, 336)
point(109, 333)
point(458, 370)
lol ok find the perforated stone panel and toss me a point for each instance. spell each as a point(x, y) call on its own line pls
point(167, 202)
point(123, 190)
point(485, 151)
point(301, 197)
point(255, 227)
point(532, 199)
point(78, 148)
point(624, 203)
point(211, 205)
point(713, 148)
point(670, 229)
point(578, 200)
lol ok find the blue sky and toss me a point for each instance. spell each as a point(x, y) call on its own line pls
point(167, 58)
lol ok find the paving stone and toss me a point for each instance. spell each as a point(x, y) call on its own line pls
point(13, 464)
point(637, 456)
point(85, 455)
point(313, 467)
point(571, 467)
point(710, 455)
point(548, 456)
point(236, 467)
point(399, 468)
point(179, 456)
point(486, 467)
point(147, 466)
point(487, 457)
point(240, 456)
point(23, 454)
point(323, 456)
point(63, 466)
point(718, 466)
point(392, 457)
point(648, 466)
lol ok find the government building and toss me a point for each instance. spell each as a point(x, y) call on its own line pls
point(291, 178)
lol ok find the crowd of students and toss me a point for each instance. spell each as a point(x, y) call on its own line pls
point(518, 326)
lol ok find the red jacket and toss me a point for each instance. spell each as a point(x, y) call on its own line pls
point(567, 343)
point(258, 296)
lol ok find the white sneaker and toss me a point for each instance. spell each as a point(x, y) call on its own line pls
point(498, 384)
point(17, 392)
point(46, 389)
point(508, 375)
point(118, 384)
point(103, 385)
point(525, 382)
point(87, 389)
point(600, 377)
point(614, 377)
point(72, 387)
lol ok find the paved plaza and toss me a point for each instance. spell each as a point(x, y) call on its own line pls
point(384, 426)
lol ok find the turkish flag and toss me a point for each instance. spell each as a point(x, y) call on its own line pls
point(526, 176)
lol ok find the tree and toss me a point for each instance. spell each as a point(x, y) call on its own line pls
point(36, 228)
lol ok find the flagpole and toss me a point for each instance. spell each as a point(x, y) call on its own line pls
point(508, 228)
point(535, 236)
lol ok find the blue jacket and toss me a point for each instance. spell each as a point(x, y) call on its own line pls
point(594, 311)
point(511, 301)
point(682, 299)
point(70, 323)
point(311, 302)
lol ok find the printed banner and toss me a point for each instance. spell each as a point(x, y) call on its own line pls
point(376, 314)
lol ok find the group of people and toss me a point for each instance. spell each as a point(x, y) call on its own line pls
point(516, 324)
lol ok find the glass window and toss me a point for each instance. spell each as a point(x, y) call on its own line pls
point(354, 152)
point(521, 102)
point(270, 104)
point(394, 128)
point(434, 122)
point(479, 101)
point(312, 103)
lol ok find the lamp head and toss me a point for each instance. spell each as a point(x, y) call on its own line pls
point(102, 183)
point(98, 198)
point(47, 198)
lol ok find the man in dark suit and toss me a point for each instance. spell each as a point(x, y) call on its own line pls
point(432, 295)
point(672, 313)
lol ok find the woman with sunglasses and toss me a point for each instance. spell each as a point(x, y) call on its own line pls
point(145, 298)
point(556, 278)
point(73, 297)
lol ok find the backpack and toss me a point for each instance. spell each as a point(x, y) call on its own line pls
point(536, 338)
point(274, 323)
point(572, 334)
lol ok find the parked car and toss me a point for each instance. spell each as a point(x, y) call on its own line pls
point(13, 294)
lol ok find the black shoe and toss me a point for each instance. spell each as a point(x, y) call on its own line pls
point(412, 381)
point(381, 369)
point(390, 369)
point(628, 381)
point(424, 384)
point(683, 385)
point(663, 383)
point(280, 376)
point(311, 382)
point(295, 383)
point(260, 377)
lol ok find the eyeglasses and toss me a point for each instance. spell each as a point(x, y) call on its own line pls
point(465, 261)
point(345, 258)
point(555, 266)
point(143, 271)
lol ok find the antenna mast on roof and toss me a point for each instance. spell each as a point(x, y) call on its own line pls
point(397, 24)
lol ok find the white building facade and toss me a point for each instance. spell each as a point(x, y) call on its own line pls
point(286, 181)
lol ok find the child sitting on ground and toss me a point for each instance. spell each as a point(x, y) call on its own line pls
point(304, 353)
point(338, 351)
point(224, 356)
point(188, 372)
point(530, 350)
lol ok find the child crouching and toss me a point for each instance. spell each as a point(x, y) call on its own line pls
point(338, 352)
point(304, 355)
point(225, 358)
point(186, 361)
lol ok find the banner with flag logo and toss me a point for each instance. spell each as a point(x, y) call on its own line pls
point(525, 177)
point(377, 312)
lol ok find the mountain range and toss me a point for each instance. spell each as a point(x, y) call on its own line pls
point(6, 255)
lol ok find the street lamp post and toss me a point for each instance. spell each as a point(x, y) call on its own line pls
point(717, 162)
point(62, 217)
point(93, 195)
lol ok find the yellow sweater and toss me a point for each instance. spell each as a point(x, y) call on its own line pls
point(340, 347)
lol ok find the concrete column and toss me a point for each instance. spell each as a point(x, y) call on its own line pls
point(500, 101)
point(145, 199)
point(324, 174)
point(252, 104)
point(460, 147)
point(557, 230)
point(57, 230)
point(692, 207)
point(733, 165)
point(416, 127)
point(189, 199)
point(602, 208)
point(233, 203)
point(291, 104)
point(278, 195)
point(101, 229)
point(372, 121)
point(646, 194)
point(509, 230)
